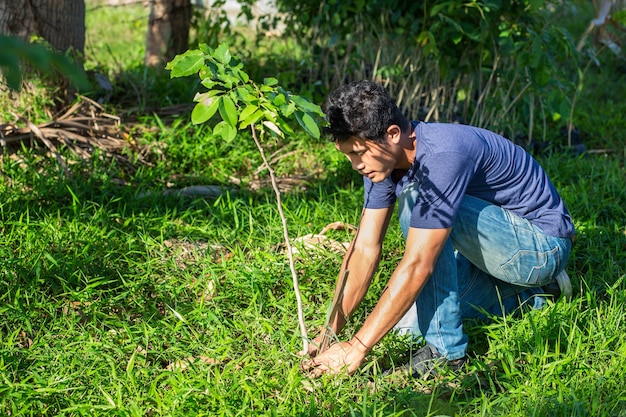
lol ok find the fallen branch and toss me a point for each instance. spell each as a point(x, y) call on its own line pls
point(82, 129)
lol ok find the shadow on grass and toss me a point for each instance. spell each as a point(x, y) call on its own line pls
point(89, 250)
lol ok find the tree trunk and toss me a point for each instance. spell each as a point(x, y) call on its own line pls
point(168, 30)
point(60, 22)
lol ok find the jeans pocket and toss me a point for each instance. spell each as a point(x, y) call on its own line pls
point(531, 268)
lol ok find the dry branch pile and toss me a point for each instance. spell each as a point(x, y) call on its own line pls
point(86, 126)
point(83, 128)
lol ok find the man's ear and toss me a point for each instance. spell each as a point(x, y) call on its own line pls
point(394, 133)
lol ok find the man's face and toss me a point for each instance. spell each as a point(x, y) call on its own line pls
point(373, 160)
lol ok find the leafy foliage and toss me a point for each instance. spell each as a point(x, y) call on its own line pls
point(240, 102)
point(15, 52)
point(488, 63)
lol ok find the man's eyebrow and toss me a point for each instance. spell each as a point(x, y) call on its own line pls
point(357, 149)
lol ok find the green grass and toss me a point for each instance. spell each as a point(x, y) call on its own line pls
point(118, 301)
point(104, 290)
point(110, 31)
point(602, 99)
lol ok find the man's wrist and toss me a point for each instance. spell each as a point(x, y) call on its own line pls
point(358, 344)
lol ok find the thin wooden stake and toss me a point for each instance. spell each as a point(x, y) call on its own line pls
point(335, 308)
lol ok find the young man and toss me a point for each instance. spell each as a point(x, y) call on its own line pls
point(484, 229)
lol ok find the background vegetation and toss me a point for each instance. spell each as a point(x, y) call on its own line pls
point(119, 296)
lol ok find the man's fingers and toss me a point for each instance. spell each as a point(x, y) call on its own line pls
point(307, 365)
point(317, 372)
point(315, 368)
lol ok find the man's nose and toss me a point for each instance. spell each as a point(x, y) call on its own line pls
point(357, 164)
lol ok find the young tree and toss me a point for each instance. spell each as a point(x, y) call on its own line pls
point(61, 23)
point(265, 109)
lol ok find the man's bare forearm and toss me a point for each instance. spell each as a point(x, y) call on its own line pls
point(361, 261)
point(395, 300)
point(361, 266)
point(421, 253)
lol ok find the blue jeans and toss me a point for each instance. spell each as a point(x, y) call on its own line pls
point(493, 262)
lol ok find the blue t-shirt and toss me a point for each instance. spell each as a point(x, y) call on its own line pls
point(452, 160)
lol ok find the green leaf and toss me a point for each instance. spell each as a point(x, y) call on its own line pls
point(284, 126)
point(228, 111)
point(279, 100)
point(233, 78)
point(426, 40)
point(246, 94)
point(288, 109)
point(537, 53)
point(222, 54)
point(252, 118)
point(205, 109)
point(241, 74)
point(619, 16)
point(186, 64)
point(270, 81)
point(437, 8)
point(12, 74)
point(306, 105)
point(266, 88)
point(308, 124)
point(226, 131)
point(13, 51)
point(208, 83)
point(247, 112)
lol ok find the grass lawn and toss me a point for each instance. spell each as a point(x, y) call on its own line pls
point(119, 300)
point(115, 301)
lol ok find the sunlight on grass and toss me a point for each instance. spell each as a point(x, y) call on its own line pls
point(117, 298)
point(112, 45)
point(114, 304)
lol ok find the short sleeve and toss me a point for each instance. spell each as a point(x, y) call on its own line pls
point(379, 195)
point(443, 178)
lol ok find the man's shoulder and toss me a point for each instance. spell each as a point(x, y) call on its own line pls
point(446, 138)
point(379, 195)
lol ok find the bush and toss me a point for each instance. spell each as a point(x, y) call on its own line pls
point(492, 64)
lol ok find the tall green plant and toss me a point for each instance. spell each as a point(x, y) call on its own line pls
point(263, 108)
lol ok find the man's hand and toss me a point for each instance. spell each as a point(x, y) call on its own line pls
point(313, 347)
point(339, 357)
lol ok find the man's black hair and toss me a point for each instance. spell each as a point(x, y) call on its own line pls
point(363, 109)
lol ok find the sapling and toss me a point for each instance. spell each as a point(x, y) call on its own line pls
point(264, 108)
